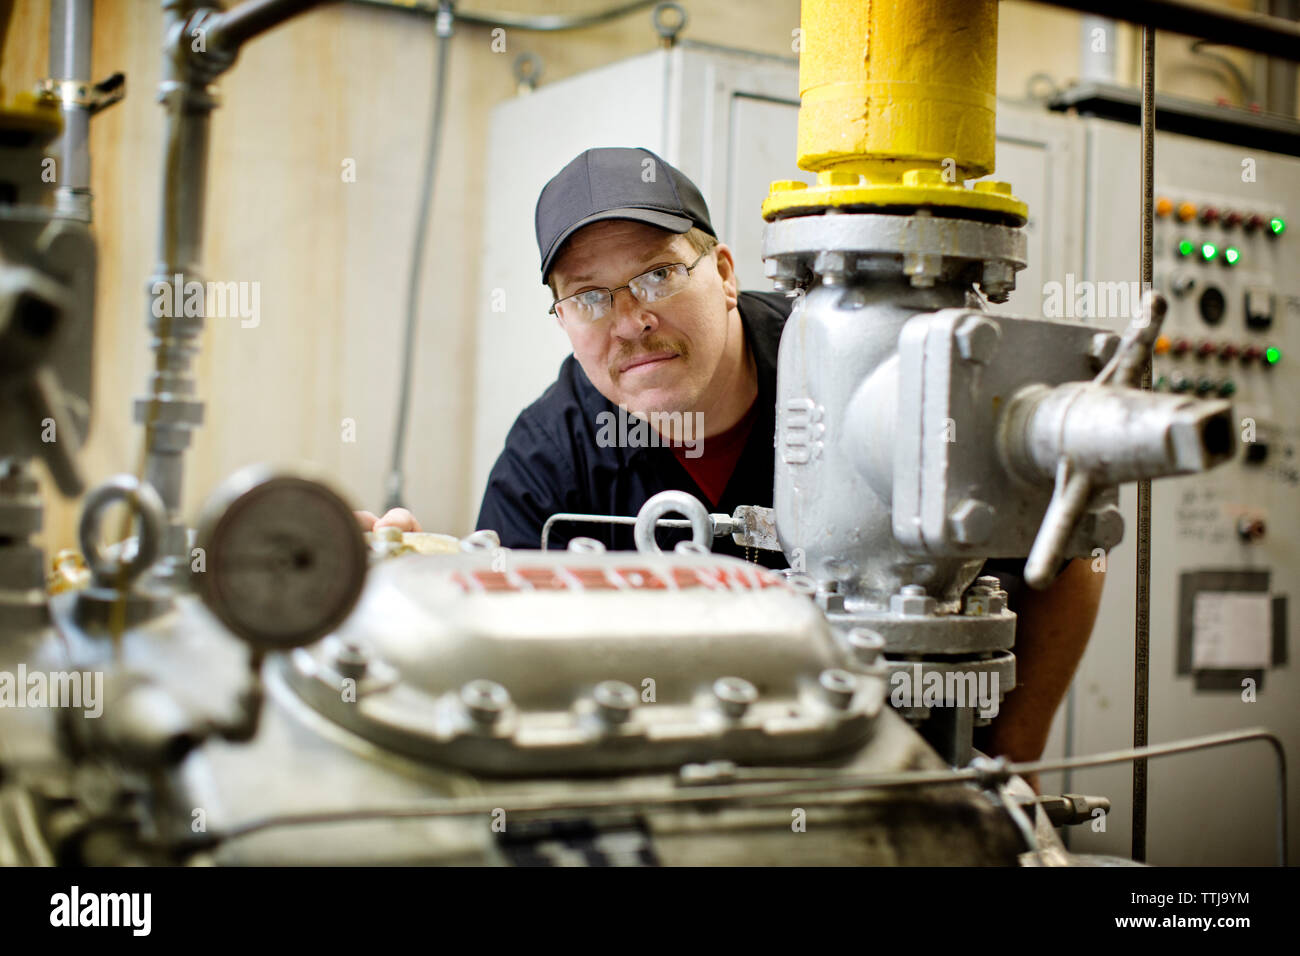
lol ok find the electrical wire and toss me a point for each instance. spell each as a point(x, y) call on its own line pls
point(443, 27)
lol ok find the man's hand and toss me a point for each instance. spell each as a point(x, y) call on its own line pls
point(396, 518)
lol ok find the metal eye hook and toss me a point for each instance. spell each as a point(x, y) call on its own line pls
point(144, 501)
point(671, 502)
point(667, 28)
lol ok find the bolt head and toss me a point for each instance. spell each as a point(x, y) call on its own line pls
point(912, 600)
point(615, 700)
point(838, 687)
point(971, 522)
point(866, 645)
point(485, 700)
point(830, 264)
point(734, 695)
point(1106, 527)
point(781, 267)
point(977, 339)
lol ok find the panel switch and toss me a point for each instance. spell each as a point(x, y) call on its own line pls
point(1259, 308)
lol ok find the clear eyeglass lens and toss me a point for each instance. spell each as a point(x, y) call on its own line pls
point(587, 306)
point(658, 284)
point(592, 305)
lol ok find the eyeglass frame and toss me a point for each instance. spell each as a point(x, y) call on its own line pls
point(689, 272)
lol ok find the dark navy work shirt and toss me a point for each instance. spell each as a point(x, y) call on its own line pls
point(553, 462)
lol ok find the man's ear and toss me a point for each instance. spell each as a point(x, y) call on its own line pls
point(727, 271)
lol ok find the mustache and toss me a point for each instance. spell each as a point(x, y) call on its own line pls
point(647, 347)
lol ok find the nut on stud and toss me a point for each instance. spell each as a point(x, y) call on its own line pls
point(998, 280)
point(911, 600)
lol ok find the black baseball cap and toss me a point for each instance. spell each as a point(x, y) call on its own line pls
point(616, 183)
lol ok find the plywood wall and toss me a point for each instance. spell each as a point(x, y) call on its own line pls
point(350, 83)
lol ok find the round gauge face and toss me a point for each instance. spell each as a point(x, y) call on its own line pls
point(284, 560)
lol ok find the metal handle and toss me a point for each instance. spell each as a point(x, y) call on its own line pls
point(1074, 486)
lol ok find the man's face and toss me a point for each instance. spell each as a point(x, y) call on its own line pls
point(655, 357)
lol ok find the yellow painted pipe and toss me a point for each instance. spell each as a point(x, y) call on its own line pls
point(898, 105)
point(888, 86)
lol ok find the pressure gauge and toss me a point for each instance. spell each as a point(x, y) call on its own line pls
point(282, 559)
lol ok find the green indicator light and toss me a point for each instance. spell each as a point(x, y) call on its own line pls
point(1231, 255)
point(1209, 250)
point(1272, 355)
point(1278, 225)
point(1185, 248)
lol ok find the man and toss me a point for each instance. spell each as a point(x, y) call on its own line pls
point(671, 385)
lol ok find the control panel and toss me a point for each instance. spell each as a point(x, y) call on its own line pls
point(1224, 545)
point(1216, 262)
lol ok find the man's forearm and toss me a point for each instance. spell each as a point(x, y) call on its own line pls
point(1051, 635)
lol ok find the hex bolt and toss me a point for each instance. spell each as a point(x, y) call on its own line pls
point(911, 600)
point(838, 687)
point(975, 602)
point(1102, 349)
point(734, 694)
point(977, 339)
point(831, 266)
point(614, 700)
point(781, 267)
point(1106, 527)
point(866, 645)
point(485, 700)
point(971, 522)
point(922, 269)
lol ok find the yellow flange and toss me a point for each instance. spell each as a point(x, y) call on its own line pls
point(36, 115)
point(897, 107)
point(917, 188)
